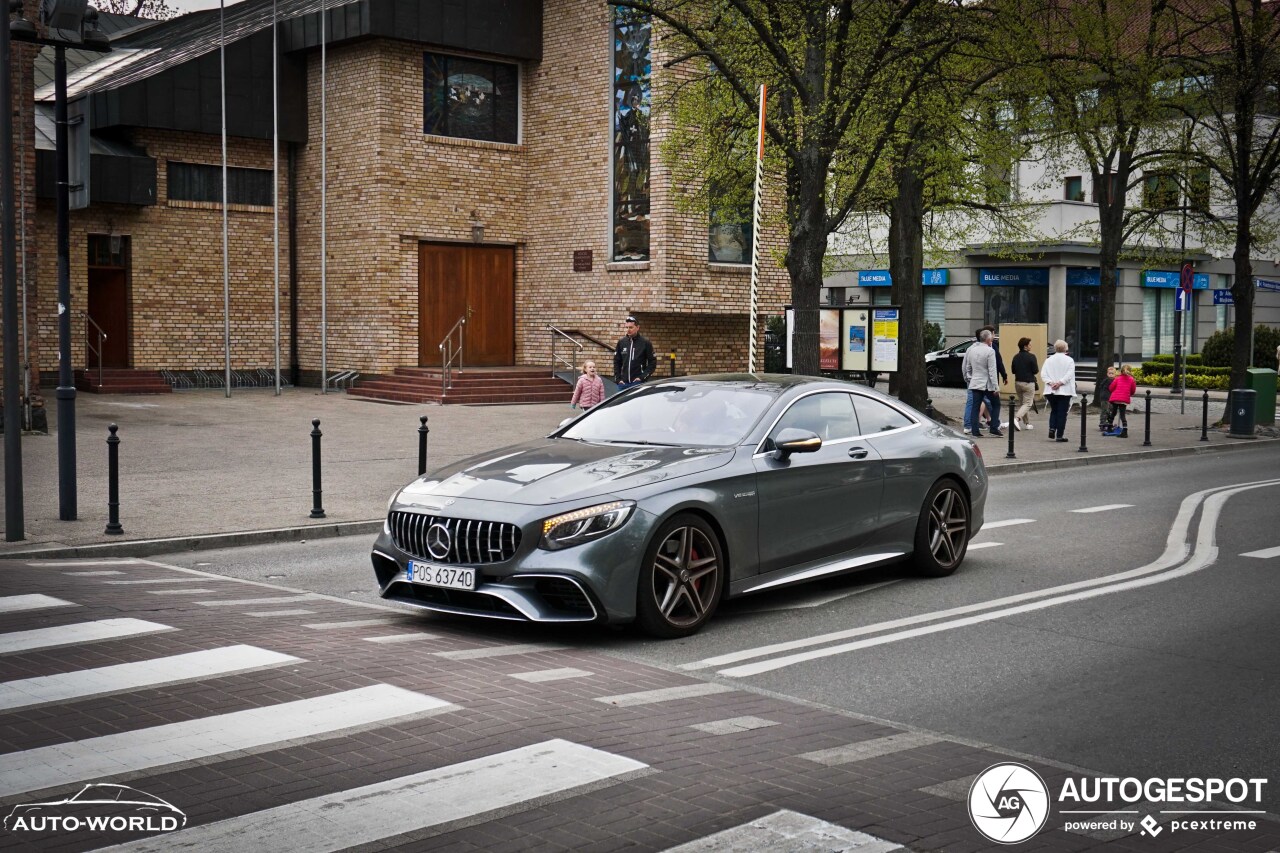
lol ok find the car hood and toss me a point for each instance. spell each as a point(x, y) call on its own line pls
point(548, 470)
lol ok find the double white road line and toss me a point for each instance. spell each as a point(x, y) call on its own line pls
point(1180, 558)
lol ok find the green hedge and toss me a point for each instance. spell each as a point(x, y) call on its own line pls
point(1167, 358)
point(1193, 380)
point(1220, 346)
point(1154, 368)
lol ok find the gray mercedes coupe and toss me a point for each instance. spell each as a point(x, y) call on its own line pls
point(667, 497)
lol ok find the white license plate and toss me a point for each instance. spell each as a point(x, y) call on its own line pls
point(449, 577)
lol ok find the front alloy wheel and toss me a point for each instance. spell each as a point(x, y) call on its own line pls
point(681, 578)
point(933, 375)
point(942, 534)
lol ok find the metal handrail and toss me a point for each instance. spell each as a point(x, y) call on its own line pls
point(448, 354)
point(571, 364)
point(102, 336)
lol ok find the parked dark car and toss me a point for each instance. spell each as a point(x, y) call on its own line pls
point(943, 367)
point(673, 494)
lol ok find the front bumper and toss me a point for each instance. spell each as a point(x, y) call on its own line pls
point(593, 582)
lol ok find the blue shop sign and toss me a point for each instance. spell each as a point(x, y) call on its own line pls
point(1086, 277)
point(882, 278)
point(1014, 277)
point(1172, 278)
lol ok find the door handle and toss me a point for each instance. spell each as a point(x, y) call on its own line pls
point(857, 453)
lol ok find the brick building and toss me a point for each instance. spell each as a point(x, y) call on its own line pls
point(497, 159)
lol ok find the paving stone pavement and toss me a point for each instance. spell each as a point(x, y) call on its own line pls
point(304, 732)
point(195, 465)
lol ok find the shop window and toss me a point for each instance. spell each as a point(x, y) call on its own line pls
point(470, 98)
point(1160, 191)
point(1198, 190)
point(202, 182)
point(631, 106)
point(1073, 188)
point(729, 231)
point(1106, 189)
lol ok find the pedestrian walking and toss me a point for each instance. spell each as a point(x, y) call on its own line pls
point(1102, 399)
point(970, 416)
point(590, 388)
point(633, 358)
point(1025, 368)
point(980, 372)
point(1059, 375)
point(1122, 390)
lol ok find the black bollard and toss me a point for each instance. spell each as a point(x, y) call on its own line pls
point(113, 483)
point(422, 445)
point(1146, 437)
point(1010, 426)
point(317, 509)
point(929, 410)
point(1084, 425)
point(1204, 417)
point(672, 356)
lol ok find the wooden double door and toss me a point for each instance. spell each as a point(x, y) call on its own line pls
point(478, 281)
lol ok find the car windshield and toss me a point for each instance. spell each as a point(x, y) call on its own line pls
point(675, 415)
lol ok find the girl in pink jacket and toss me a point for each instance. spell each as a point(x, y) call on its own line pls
point(590, 388)
point(1122, 389)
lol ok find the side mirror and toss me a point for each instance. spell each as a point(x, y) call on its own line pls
point(795, 441)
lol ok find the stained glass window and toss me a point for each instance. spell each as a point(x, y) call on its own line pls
point(470, 98)
point(631, 107)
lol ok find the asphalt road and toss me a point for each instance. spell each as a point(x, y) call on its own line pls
point(1159, 660)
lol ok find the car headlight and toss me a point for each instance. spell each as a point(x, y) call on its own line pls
point(584, 525)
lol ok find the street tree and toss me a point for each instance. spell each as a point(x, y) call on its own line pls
point(1102, 68)
point(840, 76)
point(1233, 71)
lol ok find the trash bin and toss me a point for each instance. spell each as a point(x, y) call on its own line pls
point(1243, 410)
point(1263, 381)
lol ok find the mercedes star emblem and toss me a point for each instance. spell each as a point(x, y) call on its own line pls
point(439, 541)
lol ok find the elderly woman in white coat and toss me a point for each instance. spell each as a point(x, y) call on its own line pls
point(1059, 375)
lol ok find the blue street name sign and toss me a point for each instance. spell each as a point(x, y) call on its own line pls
point(1264, 284)
point(1223, 297)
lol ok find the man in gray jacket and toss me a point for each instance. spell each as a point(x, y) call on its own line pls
point(981, 375)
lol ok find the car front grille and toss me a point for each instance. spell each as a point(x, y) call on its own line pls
point(463, 541)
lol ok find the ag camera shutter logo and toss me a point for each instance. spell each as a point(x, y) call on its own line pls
point(1008, 803)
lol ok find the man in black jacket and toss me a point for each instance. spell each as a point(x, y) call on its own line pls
point(633, 358)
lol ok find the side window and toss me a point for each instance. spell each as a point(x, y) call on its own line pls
point(875, 416)
point(829, 415)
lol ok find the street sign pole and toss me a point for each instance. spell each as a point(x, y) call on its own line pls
point(1186, 279)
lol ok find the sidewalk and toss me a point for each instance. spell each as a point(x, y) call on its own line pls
point(207, 471)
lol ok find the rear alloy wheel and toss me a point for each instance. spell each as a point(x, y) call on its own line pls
point(680, 579)
point(942, 534)
point(933, 375)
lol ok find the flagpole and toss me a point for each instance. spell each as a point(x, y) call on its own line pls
point(226, 269)
point(755, 237)
point(324, 175)
point(275, 176)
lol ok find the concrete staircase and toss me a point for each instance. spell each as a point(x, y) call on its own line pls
point(473, 386)
point(122, 381)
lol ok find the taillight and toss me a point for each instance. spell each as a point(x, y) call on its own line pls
point(978, 451)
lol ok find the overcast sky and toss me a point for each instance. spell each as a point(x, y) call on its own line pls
point(184, 6)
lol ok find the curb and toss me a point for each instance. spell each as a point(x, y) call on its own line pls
point(205, 542)
point(1084, 459)
point(212, 541)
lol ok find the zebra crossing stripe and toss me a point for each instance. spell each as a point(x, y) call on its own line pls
point(72, 635)
point(791, 831)
point(434, 798)
point(111, 756)
point(16, 603)
point(119, 678)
